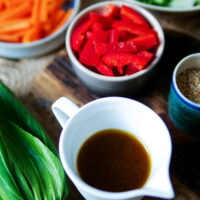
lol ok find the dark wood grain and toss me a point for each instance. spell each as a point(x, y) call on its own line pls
point(58, 79)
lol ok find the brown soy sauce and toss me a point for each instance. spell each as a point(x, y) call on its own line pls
point(113, 160)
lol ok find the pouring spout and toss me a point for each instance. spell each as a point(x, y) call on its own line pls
point(159, 185)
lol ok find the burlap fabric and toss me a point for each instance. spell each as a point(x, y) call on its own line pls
point(19, 75)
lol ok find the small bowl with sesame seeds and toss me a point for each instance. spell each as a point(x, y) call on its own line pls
point(184, 97)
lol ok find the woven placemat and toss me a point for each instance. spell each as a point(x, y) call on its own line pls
point(19, 75)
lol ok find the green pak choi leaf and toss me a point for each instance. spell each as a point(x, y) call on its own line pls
point(12, 109)
point(28, 169)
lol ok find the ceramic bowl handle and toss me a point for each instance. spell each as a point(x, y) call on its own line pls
point(64, 109)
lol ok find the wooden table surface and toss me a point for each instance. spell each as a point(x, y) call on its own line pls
point(59, 80)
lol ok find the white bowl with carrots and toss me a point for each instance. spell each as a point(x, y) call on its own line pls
point(114, 47)
point(34, 27)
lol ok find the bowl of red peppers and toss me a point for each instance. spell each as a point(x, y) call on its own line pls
point(114, 47)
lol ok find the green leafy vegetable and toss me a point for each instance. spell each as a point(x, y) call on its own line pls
point(29, 163)
point(173, 3)
point(12, 109)
point(29, 170)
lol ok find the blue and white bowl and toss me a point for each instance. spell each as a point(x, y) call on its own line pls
point(184, 113)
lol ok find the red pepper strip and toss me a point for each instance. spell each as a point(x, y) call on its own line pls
point(88, 55)
point(79, 34)
point(146, 55)
point(96, 26)
point(103, 48)
point(111, 11)
point(103, 69)
point(145, 42)
point(145, 58)
point(132, 28)
point(99, 35)
point(131, 69)
point(113, 35)
point(121, 59)
point(104, 21)
point(124, 35)
point(118, 60)
point(134, 16)
point(88, 35)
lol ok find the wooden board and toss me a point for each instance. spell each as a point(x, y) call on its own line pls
point(59, 80)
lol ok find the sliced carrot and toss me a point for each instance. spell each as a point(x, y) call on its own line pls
point(6, 3)
point(12, 37)
point(2, 6)
point(44, 11)
point(56, 6)
point(14, 25)
point(54, 19)
point(32, 34)
point(59, 16)
point(30, 20)
point(35, 12)
point(20, 11)
point(15, 3)
point(63, 21)
point(49, 24)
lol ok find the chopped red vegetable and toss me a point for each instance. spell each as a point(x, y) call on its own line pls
point(114, 35)
point(105, 22)
point(145, 42)
point(134, 16)
point(104, 69)
point(88, 55)
point(111, 11)
point(103, 48)
point(145, 58)
point(79, 34)
point(135, 29)
point(99, 35)
point(119, 60)
point(116, 42)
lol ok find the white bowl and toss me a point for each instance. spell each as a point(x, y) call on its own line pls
point(42, 46)
point(175, 12)
point(105, 85)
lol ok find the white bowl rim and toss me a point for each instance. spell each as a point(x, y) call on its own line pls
point(165, 8)
point(76, 7)
point(146, 13)
point(174, 83)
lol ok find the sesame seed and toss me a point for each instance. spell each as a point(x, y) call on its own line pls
point(189, 84)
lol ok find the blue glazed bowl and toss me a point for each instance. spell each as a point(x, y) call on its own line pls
point(184, 113)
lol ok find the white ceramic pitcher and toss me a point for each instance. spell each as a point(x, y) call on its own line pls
point(115, 113)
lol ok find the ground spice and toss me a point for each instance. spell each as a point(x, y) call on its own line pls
point(189, 84)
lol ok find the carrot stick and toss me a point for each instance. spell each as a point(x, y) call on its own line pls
point(63, 21)
point(15, 3)
point(1, 5)
point(12, 37)
point(30, 20)
point(14, 25)
point(59, 16)
point(20, 11)
point(35, 12)
point(6, 3)
point(43, 11)
point(56, 6)
point(32, 34)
